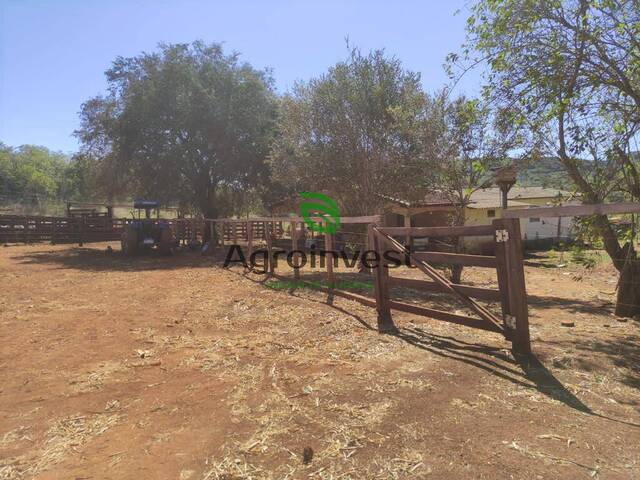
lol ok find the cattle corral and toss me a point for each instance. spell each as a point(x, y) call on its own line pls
point(174, 367)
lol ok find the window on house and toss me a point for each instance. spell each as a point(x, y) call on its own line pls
point(491, 213)
point(534, 220)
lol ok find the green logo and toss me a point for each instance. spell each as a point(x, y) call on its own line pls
point(323, 207)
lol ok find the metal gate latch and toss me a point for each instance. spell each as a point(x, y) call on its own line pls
point(510, 320)
point(502, 236)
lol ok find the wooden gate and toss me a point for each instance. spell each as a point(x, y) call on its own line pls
point(513, 323)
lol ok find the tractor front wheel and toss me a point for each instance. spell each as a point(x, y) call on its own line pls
point(129, 241)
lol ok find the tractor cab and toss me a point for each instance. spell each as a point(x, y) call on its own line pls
point(148, 206)
point(147, 232)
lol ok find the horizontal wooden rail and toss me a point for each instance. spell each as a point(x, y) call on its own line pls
point(428, 286)
point(474, 230)
point(572, 210)
point(457, 259)
point(344, 220)
point(445, 316)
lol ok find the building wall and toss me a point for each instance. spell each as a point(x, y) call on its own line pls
point(532, 229)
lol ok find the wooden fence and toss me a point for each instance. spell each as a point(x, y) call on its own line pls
point(273, 234)
point(32, 229)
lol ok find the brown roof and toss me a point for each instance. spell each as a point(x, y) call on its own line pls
point(430, 199)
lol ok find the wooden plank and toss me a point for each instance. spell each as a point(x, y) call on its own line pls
point(445, 316)
point(427, 286)
point(458, 259)
point(295, 218)
point(572, 210)
point(475, 230)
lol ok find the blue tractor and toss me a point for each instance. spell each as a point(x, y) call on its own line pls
point(147, 233)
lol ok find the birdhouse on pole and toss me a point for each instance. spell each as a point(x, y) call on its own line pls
point(505, 178)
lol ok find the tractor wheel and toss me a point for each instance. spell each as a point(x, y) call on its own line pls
point(129, 241)
point(166, 241)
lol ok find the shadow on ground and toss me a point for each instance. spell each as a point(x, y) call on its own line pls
point(103, 260)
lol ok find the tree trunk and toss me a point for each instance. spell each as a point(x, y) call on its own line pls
point(626, 261)
point(458, 245)
point(628, 299)
point(209, 210)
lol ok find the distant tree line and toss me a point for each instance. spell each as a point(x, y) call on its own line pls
point(31, 173)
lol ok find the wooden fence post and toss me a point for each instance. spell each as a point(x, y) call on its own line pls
point(80, 240)
point(268, 236)
point(294, 246)
point(54, 225)
point(328, 257)
point(517, 293)
point(380, 284)
point(503, 276)
point(249, 239)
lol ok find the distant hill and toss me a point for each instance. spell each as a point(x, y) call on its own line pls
point(543, 172)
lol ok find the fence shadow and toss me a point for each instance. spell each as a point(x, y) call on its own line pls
point(525, 371)
point(103, 260)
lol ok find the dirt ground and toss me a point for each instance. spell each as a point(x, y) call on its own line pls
point(174, 368)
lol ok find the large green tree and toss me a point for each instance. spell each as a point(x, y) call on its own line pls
point(352, 132)
point(30, 172)
point(569, 70)
point(183, 124)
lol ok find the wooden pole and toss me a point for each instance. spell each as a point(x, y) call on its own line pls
point(380, 285)
point(503, 275)
point(294, 246)
point(268, 235)
point(249, 239)
point(517, 292)
point(80, 240)
point(328, 246)
point(407, 223)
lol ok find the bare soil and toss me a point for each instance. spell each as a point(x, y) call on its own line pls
point(152, 367)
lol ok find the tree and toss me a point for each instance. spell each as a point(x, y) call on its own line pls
point(182, 124)
point(462, 141)
point(352, 132)
point(29, 173)
point(570, 72)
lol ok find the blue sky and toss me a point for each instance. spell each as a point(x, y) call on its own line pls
point(53, 53)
